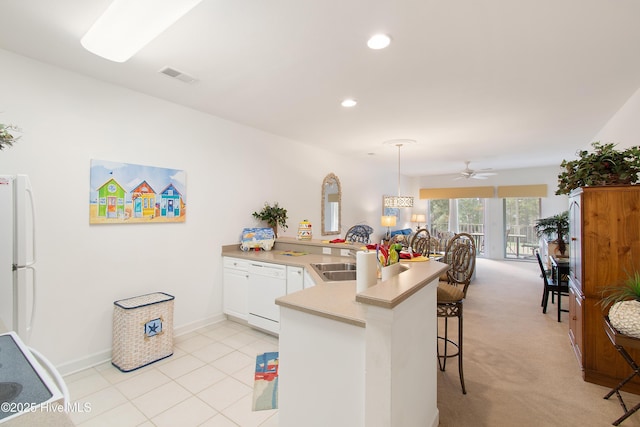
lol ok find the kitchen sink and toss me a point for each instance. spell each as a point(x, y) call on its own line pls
point(339, 275)
point(335, 266)
point(336, 271)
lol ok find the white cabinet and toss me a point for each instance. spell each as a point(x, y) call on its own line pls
point(295, 279)
point(251, 287)
point(235, 290)
point(308, 281)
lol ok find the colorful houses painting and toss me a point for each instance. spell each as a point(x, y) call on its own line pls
point(111, 199)
point(144, 200)
point(170, 202)
point(125, 193)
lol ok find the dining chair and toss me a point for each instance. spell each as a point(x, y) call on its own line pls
point(421, 242)
point(359, 234)
point(460, 254)
point(552, 287)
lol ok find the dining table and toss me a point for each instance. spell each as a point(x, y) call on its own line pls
point(559, 269)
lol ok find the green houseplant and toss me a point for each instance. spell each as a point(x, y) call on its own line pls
point(604, 166)
point(274, 216)
point(7, 139)
point(624, 302)
point(554, 226)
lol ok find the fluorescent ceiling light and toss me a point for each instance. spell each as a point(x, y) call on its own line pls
point(349, 102)
point(379, 41)
point(128, 25)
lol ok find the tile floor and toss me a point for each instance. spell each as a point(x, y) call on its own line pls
point(207, 382)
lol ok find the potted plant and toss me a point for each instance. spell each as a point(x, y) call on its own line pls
point(274, 216)
point(604, 166)
point(6, 137)
point(554, 226)
point(624, 302)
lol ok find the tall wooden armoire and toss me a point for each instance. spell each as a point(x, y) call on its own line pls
point(604, 246)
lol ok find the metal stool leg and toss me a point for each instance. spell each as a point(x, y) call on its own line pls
point(446, 311)
point(464, 390)
point(442, 360)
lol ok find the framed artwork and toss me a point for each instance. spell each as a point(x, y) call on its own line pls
point(124, 193)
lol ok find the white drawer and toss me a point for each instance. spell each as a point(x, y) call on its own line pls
point(236, 263)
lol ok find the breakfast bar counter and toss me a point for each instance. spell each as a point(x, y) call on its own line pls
point(338, 300)
point(365, 359)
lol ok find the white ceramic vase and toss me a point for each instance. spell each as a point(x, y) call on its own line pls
point(625, 317)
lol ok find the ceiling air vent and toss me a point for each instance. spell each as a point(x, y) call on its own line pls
point(172, 72)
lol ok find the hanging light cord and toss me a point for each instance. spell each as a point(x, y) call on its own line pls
point(399, 145)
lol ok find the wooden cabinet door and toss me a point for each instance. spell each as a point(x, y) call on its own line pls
point(575, 321)
point(575, 240)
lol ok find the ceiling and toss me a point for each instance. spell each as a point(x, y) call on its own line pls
point(503, 84)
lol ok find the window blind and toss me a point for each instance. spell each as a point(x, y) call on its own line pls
point(538, 190)
point(457, 193)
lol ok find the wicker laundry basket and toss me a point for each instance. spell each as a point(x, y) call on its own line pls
point(142, 330)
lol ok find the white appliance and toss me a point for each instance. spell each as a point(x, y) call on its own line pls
point(266, 283)
point(17, 255)
point(27, 379)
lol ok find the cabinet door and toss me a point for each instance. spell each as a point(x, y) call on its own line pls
point(235, 289)
point(575, 320)
point(295, 279)
point(575, 240)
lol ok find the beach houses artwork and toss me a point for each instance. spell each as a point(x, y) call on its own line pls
point(111, 199)
point(170, 202)
point(144, 200)
point(125, 193)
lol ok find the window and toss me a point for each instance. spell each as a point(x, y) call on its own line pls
point(458, 216)
point(438, 216)
point(520, 214)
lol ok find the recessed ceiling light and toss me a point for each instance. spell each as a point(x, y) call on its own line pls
point(379, 41)
point(349, 102)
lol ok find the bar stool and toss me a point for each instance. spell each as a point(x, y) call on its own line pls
point(460, 254)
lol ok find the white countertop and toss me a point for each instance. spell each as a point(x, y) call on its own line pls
point(338, 300)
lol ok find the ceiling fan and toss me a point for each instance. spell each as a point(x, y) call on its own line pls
point(467, 173)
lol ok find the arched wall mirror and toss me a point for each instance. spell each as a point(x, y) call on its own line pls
point(331, 205)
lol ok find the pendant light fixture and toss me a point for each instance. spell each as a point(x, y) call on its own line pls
point(398, 201)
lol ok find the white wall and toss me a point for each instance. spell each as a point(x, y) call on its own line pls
point(68, 119)
point(624, 126)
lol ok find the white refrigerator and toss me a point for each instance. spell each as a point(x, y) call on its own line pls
point(17, 255)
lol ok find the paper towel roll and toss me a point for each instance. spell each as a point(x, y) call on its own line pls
point(366, 270)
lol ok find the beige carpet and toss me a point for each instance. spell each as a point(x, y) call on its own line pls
point(519, 367)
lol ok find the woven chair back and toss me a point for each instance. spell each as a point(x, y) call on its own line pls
point(461, 256)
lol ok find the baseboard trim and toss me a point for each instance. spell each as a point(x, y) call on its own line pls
point(104, 356)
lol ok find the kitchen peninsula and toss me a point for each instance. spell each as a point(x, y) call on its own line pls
point(347, 359)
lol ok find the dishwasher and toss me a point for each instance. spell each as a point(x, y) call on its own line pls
point(266, 283)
